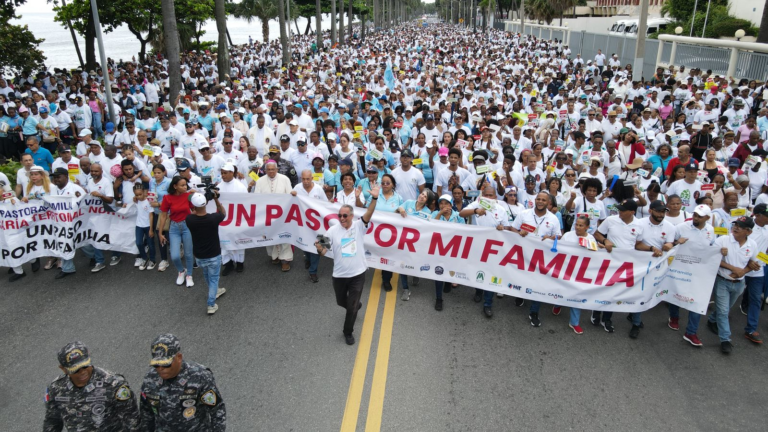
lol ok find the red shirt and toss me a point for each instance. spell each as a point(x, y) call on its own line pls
point(676, 161)
point(179, 206)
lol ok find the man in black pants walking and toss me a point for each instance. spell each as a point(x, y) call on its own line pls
point(349, 267)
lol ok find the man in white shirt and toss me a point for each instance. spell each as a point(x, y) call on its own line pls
point(700, 233)
point(600, 60)
point(191, 140)
point(619, 231)
point(410, 181)
point(308, 188)
point(688, 189)
point(168, 136)
point(60, 178)
point(231, 259)
point(752, 300)
point(100, 187)
point(739, 258)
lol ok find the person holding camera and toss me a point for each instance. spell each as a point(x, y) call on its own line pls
point(204, 228)
point(345, 242)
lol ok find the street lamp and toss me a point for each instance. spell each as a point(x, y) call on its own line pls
point(565, 24)
point(678, 30)
point(739, 34)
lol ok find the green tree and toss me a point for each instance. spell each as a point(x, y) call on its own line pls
point(264, 10)
point(20, 51)
point(223, 51)
point(173, 50)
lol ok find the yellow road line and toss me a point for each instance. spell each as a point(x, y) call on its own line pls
point(356, 384)
point(379, 385)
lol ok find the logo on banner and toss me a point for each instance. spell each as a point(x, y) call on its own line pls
point(670, 259)
point(386, 261)
point(452, 273)
point(577, 300)
point(602, 302)
point(406, 266)
point(531, 291)
point(514, 287)
point(438, 270)
point(263, 239)
point(424, 268)
point(243, 241)
point(285, 235)
point(301, 242)
point(684, 298)
point(495, 280)
point(556, 296)
point(480, 276)
point(662, 293)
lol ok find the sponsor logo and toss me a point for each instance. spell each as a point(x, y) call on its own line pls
point(224, 241)
point(385, 261)
point(662, 293)
point(531, 291)
point(368, 254)
point(556, 296)
point(263, 239)
point(439, 270)
point(577, 300)
point(495, 280)
point(452, 273)
point(480, 276)
point(244, 241)
point(285, 235)
point(460, 275)
point(684, 298)
point(424, 268)
point(301, 241)
point(514, 287)
point(602, 302)
point(407, 267)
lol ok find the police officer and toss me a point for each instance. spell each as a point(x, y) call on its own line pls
point(284, 167)
point(177, 395)
point(87, 397)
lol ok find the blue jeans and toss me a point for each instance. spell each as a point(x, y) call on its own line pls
point(143, 240)
point(211, 268)
point(726, 294)
point(487, 297)
point(386, 276)
point(636, 320)
point(575, 316)
point(754, 290)
point(439, 289)
point(314, 260)
point(179, 234)
point(97, 132)
point(693, 319)
point(68, 266)
point(92, 252)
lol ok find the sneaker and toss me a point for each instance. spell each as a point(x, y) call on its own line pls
point(608, 326)
point(14, 277)
point(477, 298)
point(629, 318)
point(634, 332)
point(406, 295)
point(220, 292)
point(693, 339)
point(743, 309)
point(349, 339)
point(534, 317)
point(439, 305)
point(180, 278)
point(576, 328)
point(137, 262)
point(673, 323)
point(556, 310)
point(519, 302)
point(212, 309)
point(754, 337)
point(487, 311)
point(595, 318)
point(115, 260)
point(151, 265)
point(712, 326)
point(499, 295)
point(726, 347)
point(142, 264)
point(190, 282)
point(387, 286)
point(98, 267)
point(227, 269)
point(163, 265)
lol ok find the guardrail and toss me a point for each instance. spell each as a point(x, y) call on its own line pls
point(725, 57)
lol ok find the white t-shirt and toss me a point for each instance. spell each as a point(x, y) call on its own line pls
point(738, 255)
point(546, 225)
point(347, 249)
point(656, 235)
point(596, 211)
point(143, 209)
point(316, 192)
point(408, 182)
point(491, 218)
point(688, 193)
point(704, 237)
point(622, 235)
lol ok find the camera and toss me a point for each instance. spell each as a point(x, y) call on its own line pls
point(211, 191)
point(324, 241)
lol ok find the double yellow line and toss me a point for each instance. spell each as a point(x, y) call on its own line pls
point(357, 382)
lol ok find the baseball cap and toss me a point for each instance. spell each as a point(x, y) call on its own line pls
point(760, 209)
point(703, 210)
point(274, 148)
point(228, 167)
point(64, 148)
point(85, 132)
point(744, 222)
point(346, 162)
point(627, 205)
point(658, 205)
point(691, 167)
point(734, 162)
point(285, 137)
point(165, 346)
point(530, 179)
point(479, 155)
point(110, 127)
point(183, 165)
point(372, 169)
point(42, 110)
point(198, 199)
point(74, 356)
point(60, 171)
point(292, 123)
point(445, 197)
point(443, 151)
point(406, 153)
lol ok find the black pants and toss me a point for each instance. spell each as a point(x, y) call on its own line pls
point(348, 292)
point(163, 248)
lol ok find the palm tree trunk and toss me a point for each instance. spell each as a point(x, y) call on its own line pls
point(318, 25)
point(283, 33)
point(265, 30)
point(172, 50)
point(341, 22)
point(349, 21)
point(333, 22)
point(762, 36)
point(223, 53)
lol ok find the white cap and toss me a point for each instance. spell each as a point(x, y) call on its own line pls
point(157, 151)
point(204, 145)
point(37, 168)
point(293, 122)
point(703, 210)
point(228, 167)
point(198, 200)
point(85, 132)
point(178, 152)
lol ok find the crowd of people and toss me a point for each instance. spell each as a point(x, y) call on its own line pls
point(498, 130)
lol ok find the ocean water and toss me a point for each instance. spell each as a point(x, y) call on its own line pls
point(121, 44)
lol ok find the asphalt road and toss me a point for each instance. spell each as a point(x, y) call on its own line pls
point(276, 349)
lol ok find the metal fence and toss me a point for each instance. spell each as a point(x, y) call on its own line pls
point(752, 65)
point(703, 57)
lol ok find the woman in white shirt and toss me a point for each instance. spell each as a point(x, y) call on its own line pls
point(38, 186)
point(579, 236)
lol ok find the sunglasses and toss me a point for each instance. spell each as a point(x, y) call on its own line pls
point(162, 367)
point(228, 142)
point(301, 144)
point(343, 215)
point(570, 175)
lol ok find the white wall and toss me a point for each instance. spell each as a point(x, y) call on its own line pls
point(751, 10)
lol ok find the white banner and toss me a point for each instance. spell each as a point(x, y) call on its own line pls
point(504, 262)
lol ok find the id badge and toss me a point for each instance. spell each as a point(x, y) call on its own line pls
point(348, 247)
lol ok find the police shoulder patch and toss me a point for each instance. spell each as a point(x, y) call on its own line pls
point(208, 398)
point(123, 393)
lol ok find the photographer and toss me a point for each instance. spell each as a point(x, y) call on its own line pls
point(204, 228)
point(346, 243)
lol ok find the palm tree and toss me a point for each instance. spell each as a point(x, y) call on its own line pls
point(319, 26)
point(762, 36)
point(283, 33)
point(223, 51)
point(172, 51)
point(540, 10)
point(333, 22)
point(264, 10)
point(341, 23)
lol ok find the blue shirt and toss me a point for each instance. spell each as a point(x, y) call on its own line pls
point(29, 126)
point(160, 190)
point(42, 157)
point(410, 209)
point(386, 205)
point(454, 216)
